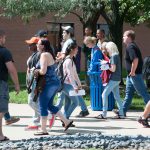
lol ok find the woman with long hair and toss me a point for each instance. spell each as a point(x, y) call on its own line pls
point(113, 84)
point(46, 67)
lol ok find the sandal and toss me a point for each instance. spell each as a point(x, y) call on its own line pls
point(100, 117)
point(40, 133)
point(118, 117)
point(144, 122)
point(5, 139)
point(69, 125)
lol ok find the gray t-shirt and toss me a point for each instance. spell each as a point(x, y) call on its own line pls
point(66, 44)
point(115, 60)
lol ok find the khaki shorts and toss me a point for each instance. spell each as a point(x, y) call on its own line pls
point(4, 96)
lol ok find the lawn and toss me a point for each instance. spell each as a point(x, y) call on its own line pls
point(137, 103)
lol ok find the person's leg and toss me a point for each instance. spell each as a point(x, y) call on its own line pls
point(118, 99)
point(107, 90)
point(1, 132)
point(140, 87)
point(144, 118)
point(60, 99)
point(129, 92)
point(72, 99)
point(7, 116)
point(84, 111)
point(67, 104)
point(146, 110)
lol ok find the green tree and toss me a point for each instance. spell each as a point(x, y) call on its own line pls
point(115, 12)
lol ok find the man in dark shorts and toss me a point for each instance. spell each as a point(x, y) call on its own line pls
point(6, 67)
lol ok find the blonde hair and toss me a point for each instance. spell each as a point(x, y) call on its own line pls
point(112, 48)
point(90, 39)
point(103, 46)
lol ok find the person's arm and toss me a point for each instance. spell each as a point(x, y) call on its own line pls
point(134, 66)
point(13, 74)
point(43, 63)
point(112, 68)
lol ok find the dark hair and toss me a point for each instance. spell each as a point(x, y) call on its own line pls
point(70, 47)
point(71, 34)
point(101, 30)
point(47, 47)
point(2, 32)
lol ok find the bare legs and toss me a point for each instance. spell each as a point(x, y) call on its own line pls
point(146, 110)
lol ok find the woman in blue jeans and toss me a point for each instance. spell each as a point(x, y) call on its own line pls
point(113, 84)
point(72, 81)
point(46, 67)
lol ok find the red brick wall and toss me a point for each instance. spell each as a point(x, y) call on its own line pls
point(17, 32)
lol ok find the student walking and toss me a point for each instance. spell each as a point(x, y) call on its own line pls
point(134, 63)
point(113, 84)
point(6, 66)
point(46, 67)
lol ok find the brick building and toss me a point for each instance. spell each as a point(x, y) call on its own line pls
point(17, 32)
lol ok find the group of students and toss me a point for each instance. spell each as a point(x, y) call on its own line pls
point(134, 63)
point(43, 63)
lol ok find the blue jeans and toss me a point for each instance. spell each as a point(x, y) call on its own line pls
point(71, 102)
point(112, 86)
point(133, 84)
point(62, 97)
point(46, 98)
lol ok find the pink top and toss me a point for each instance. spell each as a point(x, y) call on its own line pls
point(72, 78)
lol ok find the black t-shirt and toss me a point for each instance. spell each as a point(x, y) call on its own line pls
point(132, 52)
point(5, 56)
point(86, 51)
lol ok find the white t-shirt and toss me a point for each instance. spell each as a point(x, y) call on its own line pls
point(66, 44)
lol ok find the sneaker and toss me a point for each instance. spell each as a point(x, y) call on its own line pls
point(83, 114)
point(11, 120)
point(144, 122)
point(51, 121)
point(36, 120)
point(31, 127)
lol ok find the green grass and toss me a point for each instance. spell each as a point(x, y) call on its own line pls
point(22, 97)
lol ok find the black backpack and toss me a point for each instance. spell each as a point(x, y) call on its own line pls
point(146, 68)
point(60, 73)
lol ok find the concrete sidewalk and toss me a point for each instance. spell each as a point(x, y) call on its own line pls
point(128, 126)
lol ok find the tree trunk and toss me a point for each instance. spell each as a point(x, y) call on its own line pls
point(116, 31)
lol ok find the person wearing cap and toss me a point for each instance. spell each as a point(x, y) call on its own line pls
point(31, 64)
point(67, 40)
point(41, 34)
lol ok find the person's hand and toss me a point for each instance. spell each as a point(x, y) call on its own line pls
point(80, 87)
point(17, 89)
point(132, 74)
point(36, 72)
point(76, 90)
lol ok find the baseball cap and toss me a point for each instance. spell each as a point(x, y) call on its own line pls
point(32, 40)
point(68, 28)
point(42, 33)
